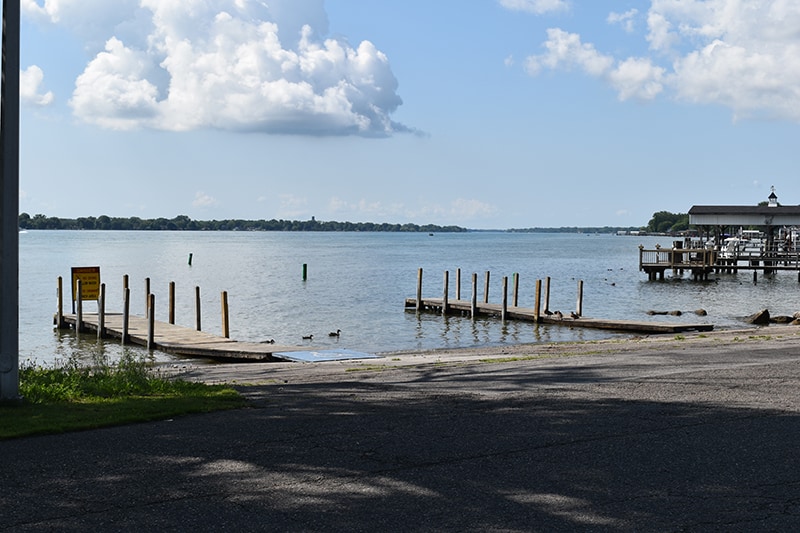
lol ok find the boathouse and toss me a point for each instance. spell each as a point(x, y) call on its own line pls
point(732, 238)
point(719, 221)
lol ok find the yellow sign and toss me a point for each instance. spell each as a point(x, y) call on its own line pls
point(90, 283)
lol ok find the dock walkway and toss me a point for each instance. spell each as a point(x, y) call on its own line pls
point(180, 340)
point(527, 314)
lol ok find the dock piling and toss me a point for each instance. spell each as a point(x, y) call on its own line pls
point(458, 284)
point(579, 305)
point(126, 312)
point(474, 301)
point(60, 310)
point(486, 289)
point(197, 308)
point(419, 290)
point(151, 322)
point(146, 296)
point(547, 294)
point(445, 291)
point(225, 322)
point(515, 299)
point(504, 311)
point(537, 303)
point(79, 311)
point(171, 302)
point(101, 312)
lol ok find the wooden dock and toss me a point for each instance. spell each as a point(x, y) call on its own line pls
point(179, 340)
point(530, 315)
point(700, 262)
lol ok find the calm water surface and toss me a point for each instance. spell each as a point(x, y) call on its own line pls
point(357, 282)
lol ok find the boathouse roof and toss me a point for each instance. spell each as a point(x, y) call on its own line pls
point(744, 215)
point(770, 215)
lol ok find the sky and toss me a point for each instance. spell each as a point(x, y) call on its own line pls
point(488, 114)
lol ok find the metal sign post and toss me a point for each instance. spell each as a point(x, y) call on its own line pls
point(9, 202)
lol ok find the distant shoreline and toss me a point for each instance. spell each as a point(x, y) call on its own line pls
point(184, 223)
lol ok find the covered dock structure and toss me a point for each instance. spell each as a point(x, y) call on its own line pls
point(718, 221)
point(776, 248)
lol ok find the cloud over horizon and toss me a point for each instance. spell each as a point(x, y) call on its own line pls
point(180, 65)
point(741, 55)
point(30, 87)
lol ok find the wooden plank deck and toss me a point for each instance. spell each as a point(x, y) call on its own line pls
point(527, 314)
point(180, 340)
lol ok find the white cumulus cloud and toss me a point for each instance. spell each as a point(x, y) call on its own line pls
point(202, 199)
point(538, 7)
point(30, 87)
point(743, 55)
point(237, 65)
point(633, 78)
point(627, 20)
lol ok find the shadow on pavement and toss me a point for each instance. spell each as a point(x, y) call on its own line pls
point(362, 456)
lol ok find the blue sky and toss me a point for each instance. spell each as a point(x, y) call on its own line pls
point(485, 114)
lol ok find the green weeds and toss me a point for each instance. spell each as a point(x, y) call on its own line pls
point(72, 396)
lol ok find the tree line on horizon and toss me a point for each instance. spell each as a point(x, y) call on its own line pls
point(661, 222)
point(184, 223)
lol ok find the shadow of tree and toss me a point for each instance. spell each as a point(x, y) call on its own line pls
point(437, 451)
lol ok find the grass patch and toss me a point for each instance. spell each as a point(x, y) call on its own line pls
point(74, 397)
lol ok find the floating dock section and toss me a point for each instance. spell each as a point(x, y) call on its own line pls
point(538, 314)
point(179, 340)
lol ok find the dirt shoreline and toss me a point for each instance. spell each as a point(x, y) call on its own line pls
point(720, 341)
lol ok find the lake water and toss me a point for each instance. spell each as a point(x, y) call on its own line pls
point(357, 282)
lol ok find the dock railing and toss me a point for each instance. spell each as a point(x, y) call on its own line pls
point(700, 261)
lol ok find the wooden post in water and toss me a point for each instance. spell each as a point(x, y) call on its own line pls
point(171, 302)
point(445, 291)
point(536, 307)
point(505, 299)
point(419, 290)
point(225, 323)
point(579, 305)
point(60, 310)
point(126, 313)
point(486, 289)
point(101, 312)
point(516, 289)
point(197, 308)
point(79, 312)
point(124, 284)
point(474, 303)
point(458, 284)
point(151, 322)
point(146, 297)
point(547, 294)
